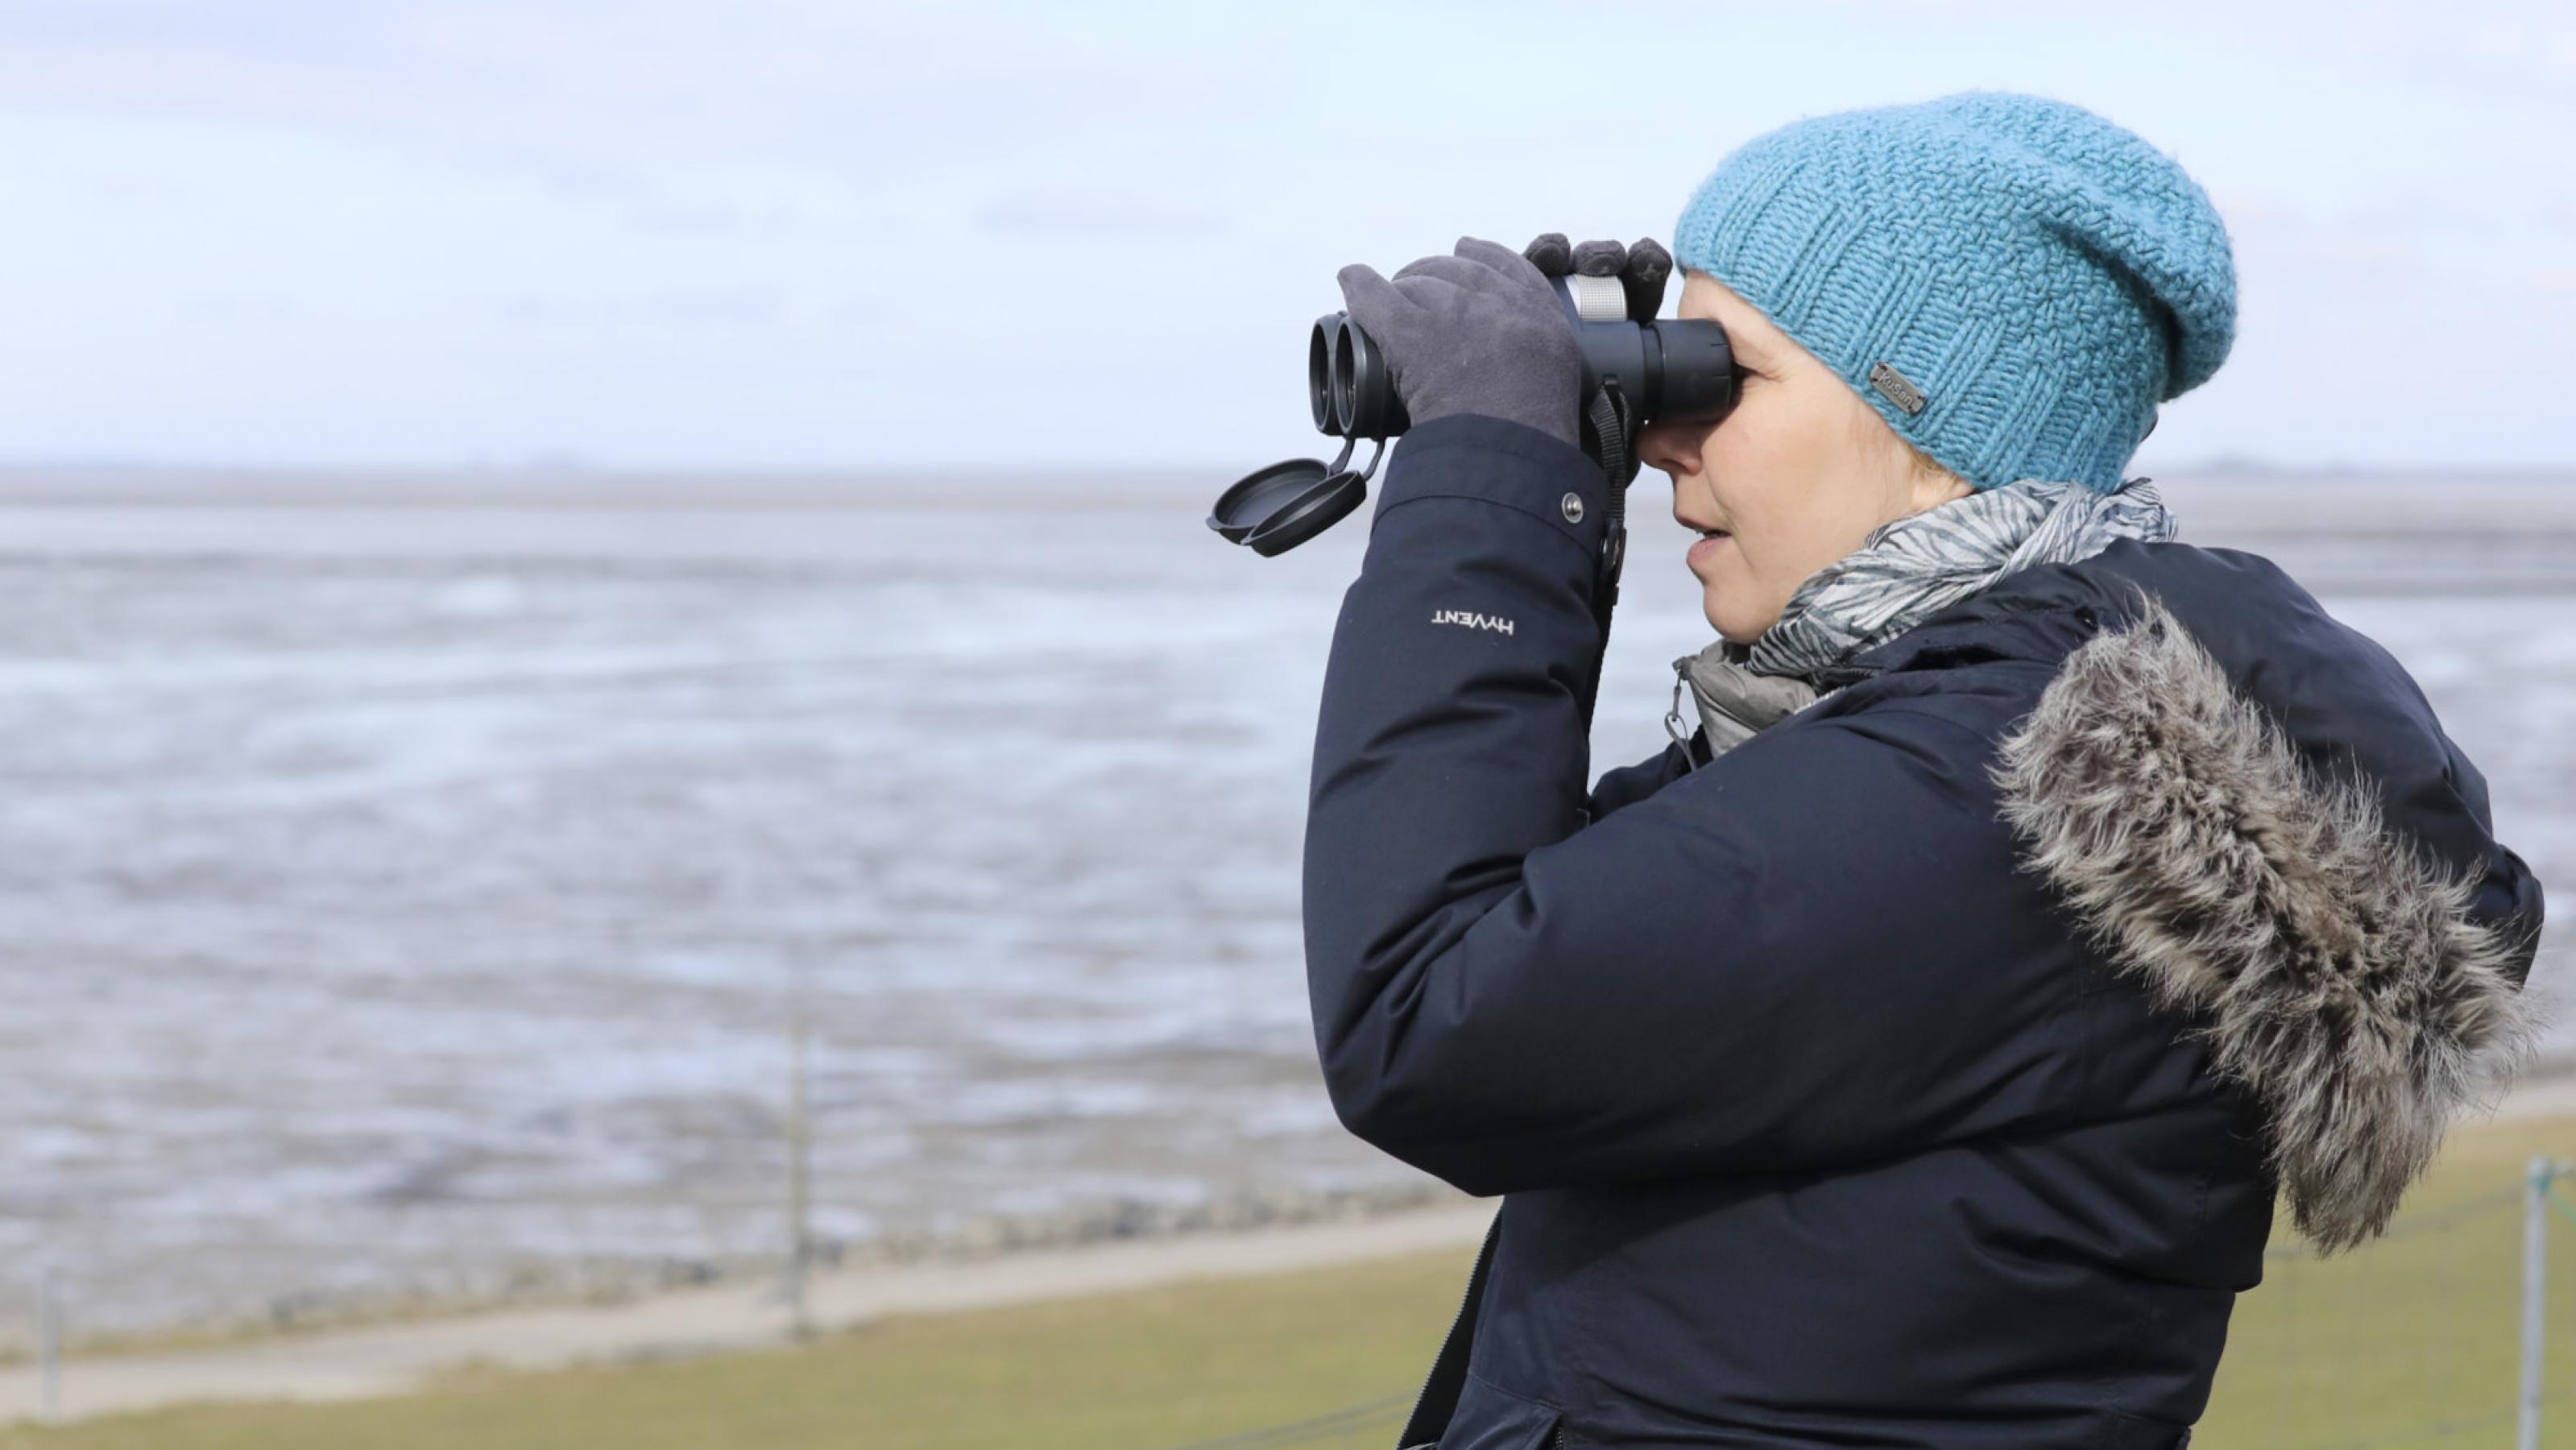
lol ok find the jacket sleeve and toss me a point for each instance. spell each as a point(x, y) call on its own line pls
point(1630, 784)
point(1708, 979)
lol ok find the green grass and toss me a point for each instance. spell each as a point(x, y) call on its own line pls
point(2415, 1330)
point(1135, 1371)
point(2420, 1329)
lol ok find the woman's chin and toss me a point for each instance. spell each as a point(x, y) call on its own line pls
point(1729, 619)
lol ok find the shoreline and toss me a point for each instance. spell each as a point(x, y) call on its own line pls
point(742, 1314)
point(608, 1282)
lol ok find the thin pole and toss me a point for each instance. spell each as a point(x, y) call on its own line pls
point(49, 1346)
point(2535, 1280)
point(800, 1140)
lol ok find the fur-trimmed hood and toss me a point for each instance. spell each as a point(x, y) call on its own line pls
point(2365, 988)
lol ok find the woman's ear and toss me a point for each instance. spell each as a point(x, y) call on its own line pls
point(1933, 485)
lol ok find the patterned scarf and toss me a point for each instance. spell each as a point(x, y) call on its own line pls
point(1906, 571)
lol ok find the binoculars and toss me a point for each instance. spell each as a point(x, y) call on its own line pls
point(1635, 372)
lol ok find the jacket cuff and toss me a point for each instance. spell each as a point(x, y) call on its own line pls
point(1499, 461)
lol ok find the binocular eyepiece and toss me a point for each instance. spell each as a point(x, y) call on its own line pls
point(1657, 371)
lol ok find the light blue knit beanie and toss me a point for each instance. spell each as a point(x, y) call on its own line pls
point(2014, 283)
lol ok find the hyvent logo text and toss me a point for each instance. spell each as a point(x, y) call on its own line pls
point(1494, 622)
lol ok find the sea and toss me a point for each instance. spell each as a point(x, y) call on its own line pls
point(425, 888)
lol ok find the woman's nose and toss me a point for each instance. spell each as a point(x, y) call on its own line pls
point(1669, 447)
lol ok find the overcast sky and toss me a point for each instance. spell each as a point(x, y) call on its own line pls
point(808, 233)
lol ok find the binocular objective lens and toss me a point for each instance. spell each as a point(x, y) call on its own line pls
point(1319, 379)
point(1346, 392)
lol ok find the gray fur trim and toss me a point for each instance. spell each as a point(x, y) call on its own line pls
point(2329, 966)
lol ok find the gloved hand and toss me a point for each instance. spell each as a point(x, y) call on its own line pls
point(1480, 331)
point(1642, 269)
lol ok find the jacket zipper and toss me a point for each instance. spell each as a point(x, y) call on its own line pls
point(1556, 1437)
point(1674, 726)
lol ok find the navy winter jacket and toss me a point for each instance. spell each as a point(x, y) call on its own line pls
point(1923, 1071)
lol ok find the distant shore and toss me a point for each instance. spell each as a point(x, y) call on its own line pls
point(2316, 497)
point(2493, 532)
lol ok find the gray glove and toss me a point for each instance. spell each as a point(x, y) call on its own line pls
point(1477, 332)
point(1642, 269)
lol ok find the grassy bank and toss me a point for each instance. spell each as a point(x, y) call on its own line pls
point(2414, 1331)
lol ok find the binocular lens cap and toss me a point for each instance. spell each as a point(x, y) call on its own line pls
point(1277, 508)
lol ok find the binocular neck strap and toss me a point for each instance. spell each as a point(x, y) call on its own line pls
point(1613, 421)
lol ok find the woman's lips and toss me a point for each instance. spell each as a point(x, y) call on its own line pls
point(1707, 547)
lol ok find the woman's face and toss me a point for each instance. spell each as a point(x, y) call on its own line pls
point(1795, 477)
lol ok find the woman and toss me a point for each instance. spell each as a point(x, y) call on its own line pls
point(1913, 1057)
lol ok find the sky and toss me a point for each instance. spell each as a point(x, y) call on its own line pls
point(810, 234)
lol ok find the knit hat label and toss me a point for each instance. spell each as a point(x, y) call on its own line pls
point(1899, 388)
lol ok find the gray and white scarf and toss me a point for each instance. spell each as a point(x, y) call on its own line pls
point(1906, 571)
